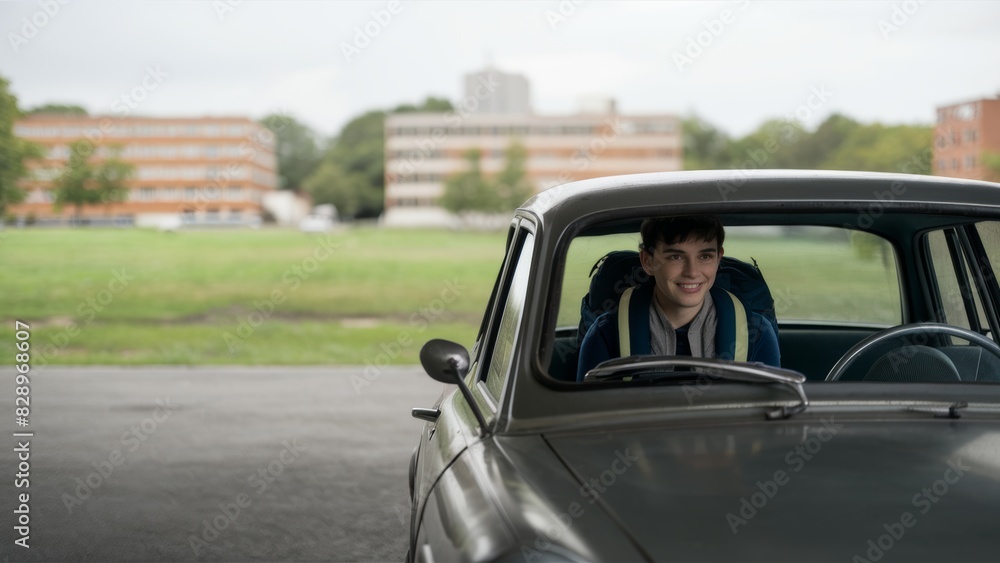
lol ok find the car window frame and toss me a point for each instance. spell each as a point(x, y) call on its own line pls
point(486, 343)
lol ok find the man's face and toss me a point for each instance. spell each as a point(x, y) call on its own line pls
point(684, 272)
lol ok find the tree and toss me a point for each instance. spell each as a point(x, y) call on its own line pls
point(347, 192)
point(356, 162)
point(512, 185)
point(82, 183)
point(705, 147)
point(14, 152)
point(58, 109)
point(991, 163)
point(880, 148)
point(296, 148)
point(469, 191)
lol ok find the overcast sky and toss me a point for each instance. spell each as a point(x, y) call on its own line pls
point(734, 63)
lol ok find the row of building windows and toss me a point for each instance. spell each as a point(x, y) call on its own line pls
point(414, 202)
point(955, 137)
point(631, 127)
point(969, 163)
point(149, 194)
point(159, 151)
point(119, 130)
point(190, 172)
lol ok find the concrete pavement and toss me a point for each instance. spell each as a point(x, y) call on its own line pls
point(214, 463)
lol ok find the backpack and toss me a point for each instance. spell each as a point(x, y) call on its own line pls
point(617, 271)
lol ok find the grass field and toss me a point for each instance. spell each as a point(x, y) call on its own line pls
point(133, 296)
point(358, 296)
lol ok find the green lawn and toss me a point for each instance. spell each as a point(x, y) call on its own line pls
point(358, 296)
point(95, 296)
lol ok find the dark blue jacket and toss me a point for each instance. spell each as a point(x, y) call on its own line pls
point(602, 340)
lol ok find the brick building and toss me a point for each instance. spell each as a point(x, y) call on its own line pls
point(964, 134)
point(207, 170)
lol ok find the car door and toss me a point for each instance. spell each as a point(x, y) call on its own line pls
point(456, 427)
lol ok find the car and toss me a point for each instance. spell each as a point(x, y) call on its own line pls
point(877, 438)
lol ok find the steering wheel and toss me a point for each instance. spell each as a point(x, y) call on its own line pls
point(905, 330)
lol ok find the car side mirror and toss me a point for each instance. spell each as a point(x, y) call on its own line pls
point(445, 361)
point(448, 362)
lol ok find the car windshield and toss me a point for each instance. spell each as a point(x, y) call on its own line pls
point(829, 289)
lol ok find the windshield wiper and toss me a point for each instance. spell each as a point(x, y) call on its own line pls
point(652, 368)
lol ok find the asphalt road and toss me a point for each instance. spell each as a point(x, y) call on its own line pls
point(231, 464)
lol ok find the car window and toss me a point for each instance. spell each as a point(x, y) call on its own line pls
point(513, 307)
point(821, 274)
point(961, 302)
point(953, 306)
point(989, 233)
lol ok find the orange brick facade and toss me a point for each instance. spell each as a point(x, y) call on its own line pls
point(965, 134)
point(195, 170)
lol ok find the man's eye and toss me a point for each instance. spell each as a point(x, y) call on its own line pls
point(674, 257)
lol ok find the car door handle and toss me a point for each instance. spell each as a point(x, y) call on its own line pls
point(430, 415)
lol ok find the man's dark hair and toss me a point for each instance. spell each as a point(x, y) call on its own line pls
point(671, 230)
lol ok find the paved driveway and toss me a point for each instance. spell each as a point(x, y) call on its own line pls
point(231, 464)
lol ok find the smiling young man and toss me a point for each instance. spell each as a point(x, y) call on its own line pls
point(679, 312)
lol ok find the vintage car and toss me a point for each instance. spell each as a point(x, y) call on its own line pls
point(877, 439)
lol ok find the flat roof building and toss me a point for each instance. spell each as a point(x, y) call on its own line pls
point(424, 149)
point(202, 170)
point(964, 134)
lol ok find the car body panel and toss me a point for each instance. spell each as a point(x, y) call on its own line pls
point(678, 459)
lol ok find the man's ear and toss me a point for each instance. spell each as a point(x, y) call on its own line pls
point(646, 259)
point(722, 252)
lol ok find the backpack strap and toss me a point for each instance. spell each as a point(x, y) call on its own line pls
point(624, 340)
point(742, 329)
point(633, 320)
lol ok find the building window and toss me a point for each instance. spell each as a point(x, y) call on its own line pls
point(147, 194)
point(190, 193)
point(235, 215)
point(234, 193)
point(954, 164)
point(971, 135)
point(169, 194)
point(970, 162)
point(212, 215)
point(211, 151)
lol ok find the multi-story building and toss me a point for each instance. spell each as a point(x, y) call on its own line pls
point(423, 150)
point(964, 135)
point(207, 170)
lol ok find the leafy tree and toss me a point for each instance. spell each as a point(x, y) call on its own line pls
point(14, 152)
point(469, 191)
point(355, 175)
point(828, 137)
point(512, 185)
point(991, 162)
point(82, 183)
point(705, 147)
point(347, 192)
point(880, 148)
point(58, 109)
point(296, 147)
